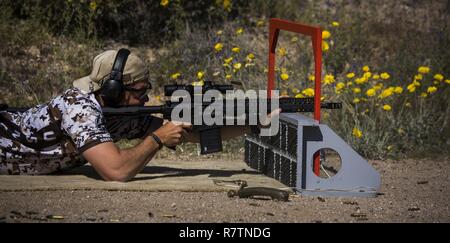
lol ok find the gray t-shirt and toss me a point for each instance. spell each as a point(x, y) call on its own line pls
point(51, 137)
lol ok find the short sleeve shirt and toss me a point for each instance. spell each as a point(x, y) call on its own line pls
point(52, 136)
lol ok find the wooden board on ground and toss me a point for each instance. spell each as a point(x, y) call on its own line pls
point(159, 175)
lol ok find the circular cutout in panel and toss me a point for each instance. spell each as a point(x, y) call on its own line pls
point(330, 163)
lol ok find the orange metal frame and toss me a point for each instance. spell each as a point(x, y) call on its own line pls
point(316, 36)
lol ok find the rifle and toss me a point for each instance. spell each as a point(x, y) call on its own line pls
point(210, 136)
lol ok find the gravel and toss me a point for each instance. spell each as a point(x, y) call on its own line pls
point(412, 191)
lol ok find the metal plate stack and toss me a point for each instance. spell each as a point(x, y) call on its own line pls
point(288, 158)
point(274, 156)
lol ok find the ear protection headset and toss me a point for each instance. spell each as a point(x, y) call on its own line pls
point(112, 90)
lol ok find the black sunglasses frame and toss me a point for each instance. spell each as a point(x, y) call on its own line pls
point(145, 91)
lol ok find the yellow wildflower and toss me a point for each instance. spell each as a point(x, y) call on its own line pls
point(424, 95)
point(299, 96)
point(228, 60)
point(295, 90)
point(175, 76)
point(350, 75)
point(387, 107)
point(371, 92)
point(237, 66)
point(417, 84)
point(431, 90)
point(411, 88)
point(423, 70)
point(367, 75)
point(260, 23)
point(376, 77)
point(228, 77)
point(325, 46)
point(386, 93)
point(335, 24)
point(349, 84)
point(236, 49)
point(251, 56)
point(93, 5)
point(356, 90)
point(361, 80)
point(200, 75)
point(329, 79)
point(311, 77)
point(282, 52)
point(284, 76)
point(366, 68)
point(339, 87)
point(447, 81)
point(326, 34)
point(164, 3)
point(309, 92)
point(418, 77)
point(356, 100)
point(239, 31)
point(385, 76)
point(357, 133)
point(398, 90)
point(227, 5)
point(218, 47)
point(439, 77)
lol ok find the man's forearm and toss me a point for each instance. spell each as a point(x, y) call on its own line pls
point(135, 159)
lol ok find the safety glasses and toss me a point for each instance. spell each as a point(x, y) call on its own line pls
point(141, 93)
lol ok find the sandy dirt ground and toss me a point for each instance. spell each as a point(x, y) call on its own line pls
point(412, 191)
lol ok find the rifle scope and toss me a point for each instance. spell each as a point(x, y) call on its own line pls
point(208, 85)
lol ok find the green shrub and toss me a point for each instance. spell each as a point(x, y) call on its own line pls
point(129, 21)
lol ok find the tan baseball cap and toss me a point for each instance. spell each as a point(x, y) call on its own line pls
point(135, 71)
